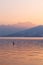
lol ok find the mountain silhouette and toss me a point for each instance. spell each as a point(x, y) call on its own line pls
point(10, 29)
point(32, 32)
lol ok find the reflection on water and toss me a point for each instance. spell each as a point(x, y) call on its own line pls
point(23, 52)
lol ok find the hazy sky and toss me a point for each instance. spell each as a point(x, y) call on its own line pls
point(13, 11)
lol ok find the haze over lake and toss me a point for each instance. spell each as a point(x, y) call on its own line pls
point(25, 51)
point(21, 32)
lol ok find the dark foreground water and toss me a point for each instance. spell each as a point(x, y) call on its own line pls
point(25, 51)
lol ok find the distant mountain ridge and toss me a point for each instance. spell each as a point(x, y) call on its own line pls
point(10, 29)
point(32, 32)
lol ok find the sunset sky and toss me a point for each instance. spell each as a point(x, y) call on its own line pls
point(14, 11)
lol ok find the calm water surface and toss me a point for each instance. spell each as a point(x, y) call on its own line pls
point(25, 51)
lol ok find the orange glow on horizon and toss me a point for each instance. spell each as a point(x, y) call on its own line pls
point(15, 11)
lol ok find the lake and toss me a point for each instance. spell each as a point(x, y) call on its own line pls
point(24, 51)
